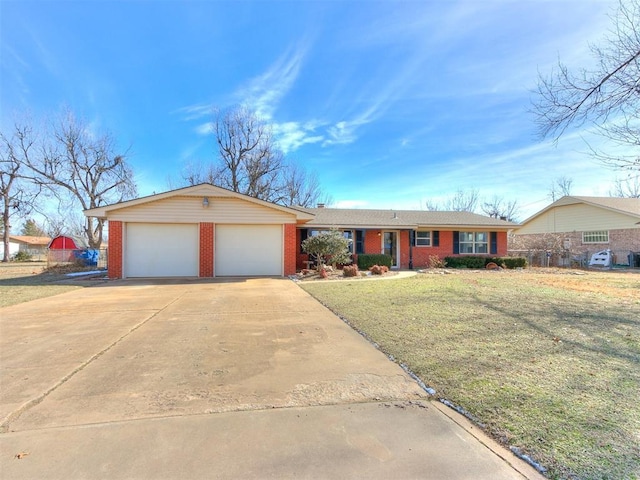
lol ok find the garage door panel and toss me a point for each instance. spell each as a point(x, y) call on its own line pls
point(161, 250)
point(248, 250)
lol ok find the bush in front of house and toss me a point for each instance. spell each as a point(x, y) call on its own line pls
point(330, 246)
point(350, 270)
point(481, 262)
point(436, 262)
point(379, 269)
point(22, 256)
point(368, 260)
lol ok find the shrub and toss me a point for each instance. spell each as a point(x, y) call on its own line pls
point(350, 270)
point(465, 262)
point(515, 262)
point(378, 269)
point(22, 257)
point(330, 245)
point(481, 262)
point(436, 262)
point(368, 260)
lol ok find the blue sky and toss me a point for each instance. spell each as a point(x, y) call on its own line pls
point(391, 103)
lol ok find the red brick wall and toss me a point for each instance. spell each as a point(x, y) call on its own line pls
point(373, 244)
point(206, 249)
point(291, 248)
point(114, 260)
point(372, 241)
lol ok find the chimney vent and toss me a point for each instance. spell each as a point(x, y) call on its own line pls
point(321, 205)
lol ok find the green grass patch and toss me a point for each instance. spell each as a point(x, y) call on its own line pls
point(549, 363)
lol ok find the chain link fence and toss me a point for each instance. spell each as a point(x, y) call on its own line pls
point(82, 258)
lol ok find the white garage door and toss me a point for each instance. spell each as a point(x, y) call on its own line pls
point(247, 250)
point(161, 250)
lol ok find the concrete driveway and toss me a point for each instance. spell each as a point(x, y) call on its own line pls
point(247, 378)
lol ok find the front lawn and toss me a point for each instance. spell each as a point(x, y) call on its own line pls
point(548, 362)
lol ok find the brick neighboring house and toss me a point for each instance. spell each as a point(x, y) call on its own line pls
point(207, 231)
point(410, 236)
point(573, 228)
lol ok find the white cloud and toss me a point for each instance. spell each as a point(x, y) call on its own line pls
point(204, 128)
point(195, 112)
point(293, 135)
point(264, 92)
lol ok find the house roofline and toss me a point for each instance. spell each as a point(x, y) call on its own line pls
point(194, 190)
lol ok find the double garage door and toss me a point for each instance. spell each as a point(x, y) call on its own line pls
point(173, 250)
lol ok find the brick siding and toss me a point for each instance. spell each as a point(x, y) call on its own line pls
point(206, 249)
point(291, 247)
point(114, 261)
point(420, 255)
point(621, 242)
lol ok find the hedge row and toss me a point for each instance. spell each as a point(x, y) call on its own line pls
point(481, 262)
point(368, 260)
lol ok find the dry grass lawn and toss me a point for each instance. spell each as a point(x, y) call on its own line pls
point(23, 282)
point(547, 361)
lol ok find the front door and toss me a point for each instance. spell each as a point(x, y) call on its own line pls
point(390, 246)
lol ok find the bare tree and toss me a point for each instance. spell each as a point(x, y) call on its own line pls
point(300, 187)
point(17, 195)
point(250, 162)
point(498, 207)
point(73, 162)
point(627, 188)
point(608, 96)
point(463, 201)
point(560, 187)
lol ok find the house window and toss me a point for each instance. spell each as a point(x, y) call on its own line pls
point(474, 242)
point(595, 237)
point(423, 239)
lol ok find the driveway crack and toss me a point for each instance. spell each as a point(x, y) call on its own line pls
point(13, 416)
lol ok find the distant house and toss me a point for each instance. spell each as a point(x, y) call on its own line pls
point(573, 228)
point(34, 246)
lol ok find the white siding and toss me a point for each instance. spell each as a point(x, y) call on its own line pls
point(190, 210)
point(577, 218)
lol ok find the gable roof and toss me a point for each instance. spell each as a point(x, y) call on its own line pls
point(627, 206)
point(394, 219)
point(201, 190)
point(30, 240)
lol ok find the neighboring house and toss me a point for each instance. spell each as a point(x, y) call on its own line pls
point(207, 231)
point(14, 247)
point(574, 228)
point(34, 246)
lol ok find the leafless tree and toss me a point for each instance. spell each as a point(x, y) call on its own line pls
point(18, 196)
point(626, 187)
point(560, 187)
point(607, 96)
point(463, 201)
point(250, 162)
point(498, 207)
point(74, 162)
point(300, 187)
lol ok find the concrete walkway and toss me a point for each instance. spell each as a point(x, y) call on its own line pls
point(245, 378)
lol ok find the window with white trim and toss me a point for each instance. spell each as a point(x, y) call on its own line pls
point(601, 236)
point(474, 242)
point(423, 239)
